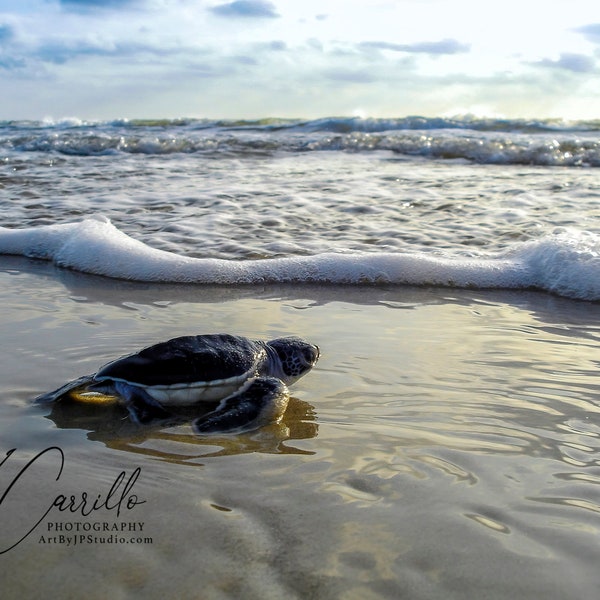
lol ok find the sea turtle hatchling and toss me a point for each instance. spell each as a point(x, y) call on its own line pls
point(249, 378)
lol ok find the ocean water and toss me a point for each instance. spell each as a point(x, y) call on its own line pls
point(485, 204)
point(446, 445)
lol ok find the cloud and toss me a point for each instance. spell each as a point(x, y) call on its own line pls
point(6, 33)
point(62, 51)
point(245, 9)
point(86, 5)
point(446, 46)
point(10, 58)
point(9, 63)
point(244, 60)
point(576, 63)
point(350, 75)
point(277, 45)
point(591, 32)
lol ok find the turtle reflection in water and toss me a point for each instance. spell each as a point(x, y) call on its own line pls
point(248, 378)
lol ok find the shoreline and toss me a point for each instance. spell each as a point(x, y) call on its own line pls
point(426, 455)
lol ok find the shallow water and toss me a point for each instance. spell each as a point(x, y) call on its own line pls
point(445, 446)
point(280, 188)
point(295, 204)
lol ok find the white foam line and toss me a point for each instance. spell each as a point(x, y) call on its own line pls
point(567, 264)
point(98, 247)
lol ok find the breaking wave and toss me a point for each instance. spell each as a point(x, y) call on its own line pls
point(485, 141)
point(566, 263)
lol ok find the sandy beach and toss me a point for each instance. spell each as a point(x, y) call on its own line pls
point(445, 446)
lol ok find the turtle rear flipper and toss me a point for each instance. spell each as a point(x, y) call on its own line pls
point(66, 390)
point(263, 401)
point(142, 407)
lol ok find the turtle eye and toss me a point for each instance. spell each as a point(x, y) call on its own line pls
point(311, 354)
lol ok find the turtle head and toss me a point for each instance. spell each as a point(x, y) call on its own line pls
point(296, 356)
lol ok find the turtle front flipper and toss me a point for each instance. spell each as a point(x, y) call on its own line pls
point(69, 389)
point(263, 401)
point(142, 407)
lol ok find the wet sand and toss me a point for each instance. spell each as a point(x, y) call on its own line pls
point(445, 446)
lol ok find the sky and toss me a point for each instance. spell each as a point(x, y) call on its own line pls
point(247, 59)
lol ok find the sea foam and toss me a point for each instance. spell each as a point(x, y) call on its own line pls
point(566, 263)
